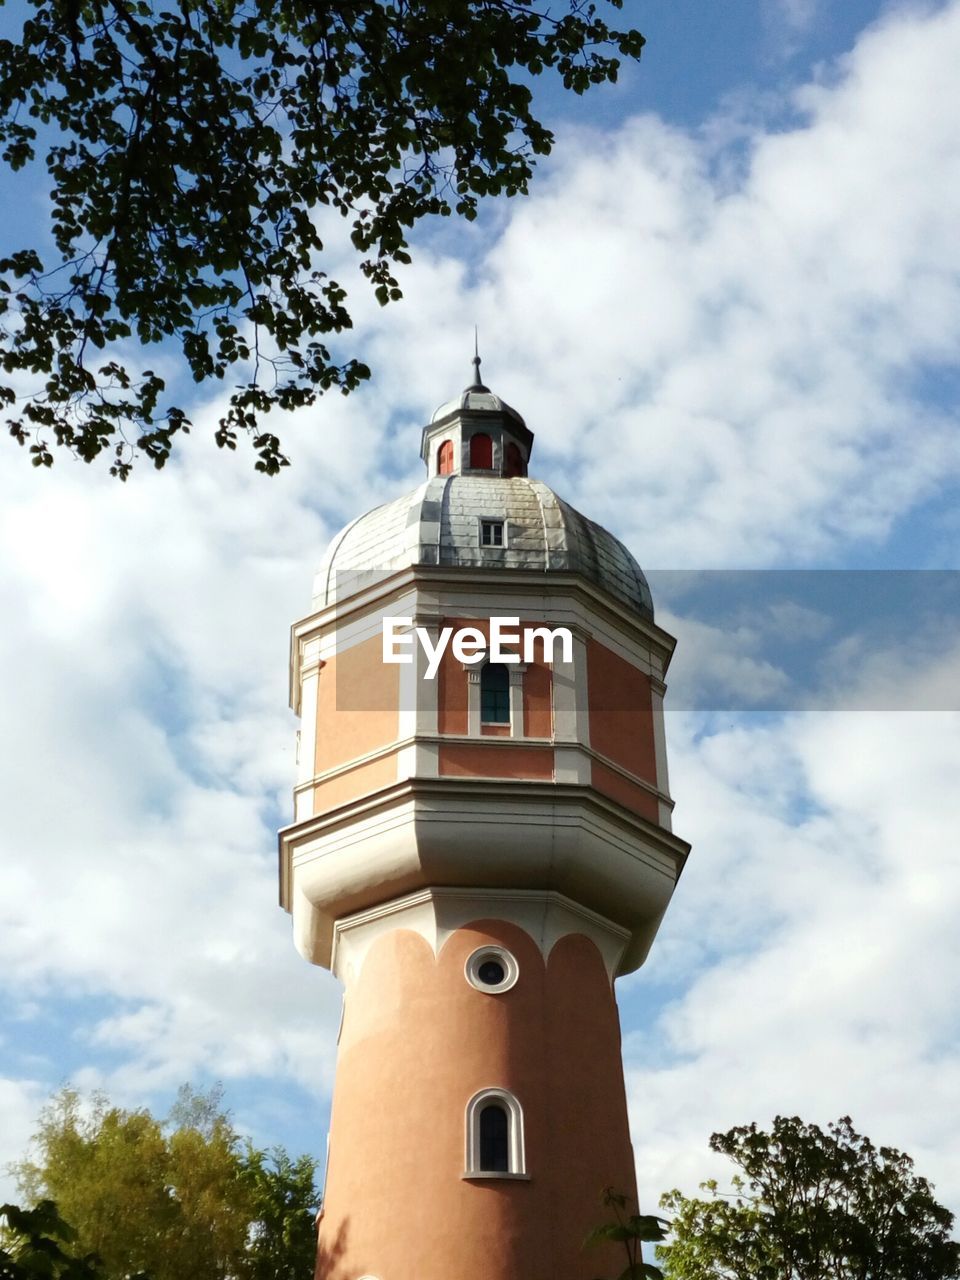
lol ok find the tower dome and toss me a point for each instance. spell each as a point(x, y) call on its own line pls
point(479, 516)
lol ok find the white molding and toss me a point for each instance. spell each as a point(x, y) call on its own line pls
point(581, 690)
point(577, 759)
point(507, 961)
point(516, 673)
point(436, 913)
point(391, 748)
point(516, 1152)
point(660, 756)
point(572, 765)
point(494, 1173)
point(473, 704)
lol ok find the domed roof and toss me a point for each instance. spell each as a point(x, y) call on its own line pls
point(439, 523)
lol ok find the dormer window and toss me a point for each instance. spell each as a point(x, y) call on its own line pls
point(513, 463)
point(491, 533)
point(481, 452)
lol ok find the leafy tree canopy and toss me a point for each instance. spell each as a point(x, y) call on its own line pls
point(178, 1200)
point(35, 1244)
point(190, 146)
point(811, 1205)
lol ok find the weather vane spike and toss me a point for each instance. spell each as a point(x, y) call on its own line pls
point(477, 380)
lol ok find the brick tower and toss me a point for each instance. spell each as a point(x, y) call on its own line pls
point(477, 856)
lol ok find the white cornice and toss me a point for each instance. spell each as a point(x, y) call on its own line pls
point(505, 834)
point(437, 912)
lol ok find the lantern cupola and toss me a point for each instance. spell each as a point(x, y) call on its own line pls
point(476, 433)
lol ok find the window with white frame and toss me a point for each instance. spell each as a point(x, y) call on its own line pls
point(494, 1136)
point(491, 533)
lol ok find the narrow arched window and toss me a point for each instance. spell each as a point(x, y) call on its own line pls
point(481, 452)
point(494, 1138)
point(513, 464)
point(445, 459)
point(494, 694)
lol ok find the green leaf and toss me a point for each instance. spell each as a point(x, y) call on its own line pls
point(188, 147)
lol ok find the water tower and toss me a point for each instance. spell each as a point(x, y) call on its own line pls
point(477, 856)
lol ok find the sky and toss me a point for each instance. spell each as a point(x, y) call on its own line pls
point(730, 311)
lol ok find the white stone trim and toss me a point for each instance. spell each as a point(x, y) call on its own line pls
point(660, 754)
point(563, 678)
point(516, 1152)
point(507, 961)
point(438, 912)
point(473, 703)
point(504, 834)
point(408, 699)
point(309, 694)
point(571, 765)
point(581, 688)
point(391, 748)
point(516, 673)
point(426, 696)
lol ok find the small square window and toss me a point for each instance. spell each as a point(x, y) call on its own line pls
point(491, 533)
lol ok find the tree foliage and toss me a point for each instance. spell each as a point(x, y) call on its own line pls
point(198, 153)
point(177, 1200)
point(35, 1244)
point(632, 1231)
point(811, 1205)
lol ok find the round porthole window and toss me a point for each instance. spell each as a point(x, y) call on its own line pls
point(491, 969)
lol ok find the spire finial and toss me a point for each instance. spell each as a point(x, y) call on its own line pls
point(477, 384)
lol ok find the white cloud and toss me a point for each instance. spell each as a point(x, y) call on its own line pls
point(723, 346)
point(19, 1102)
point(813, 938)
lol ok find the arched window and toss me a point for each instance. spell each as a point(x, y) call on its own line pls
point(513, 464)
point(481, 452)
point(445, 459)
point(494, 694)
point(494, 1145)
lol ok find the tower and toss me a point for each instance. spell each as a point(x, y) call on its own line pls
point(482, 843)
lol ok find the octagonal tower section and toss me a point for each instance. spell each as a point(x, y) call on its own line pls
point(482, 843)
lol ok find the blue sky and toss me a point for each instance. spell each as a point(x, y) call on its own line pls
point(730, 311)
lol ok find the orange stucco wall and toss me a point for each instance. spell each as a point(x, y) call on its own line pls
point(632, 796)
point(357, 705)
point(494, 759)
point(356, 782)
point(418, 1042)
point(538, 701)
point(621, 712)
point(451, 692)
